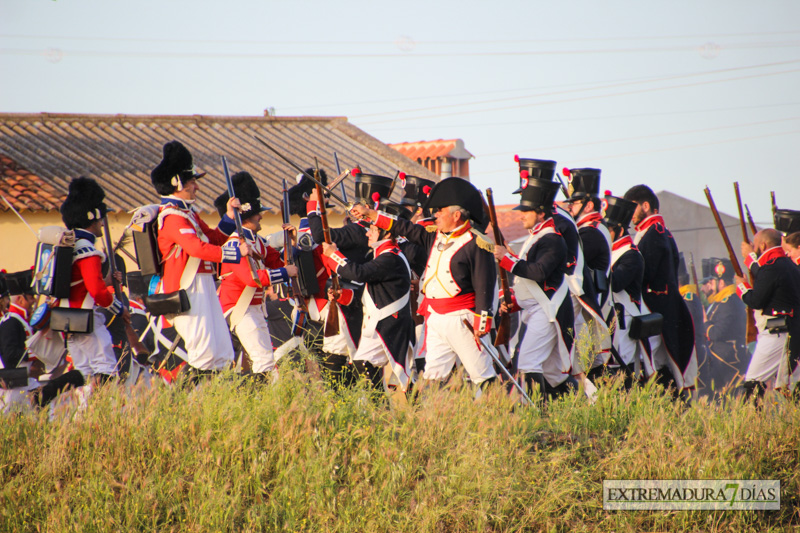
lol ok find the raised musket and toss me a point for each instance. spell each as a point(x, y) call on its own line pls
point(299, 302)
point(504, 327)
point(237, 218)
point(332, 322)
point(751, 330)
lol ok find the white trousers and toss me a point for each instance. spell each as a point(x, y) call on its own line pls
point(203, 329)
point(767, 357)
point(448, 339)
point(372, 350)
point(253, 333)
point(341, 344)
point(538, 346)
point(92, 353)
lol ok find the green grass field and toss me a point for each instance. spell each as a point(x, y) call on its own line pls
point(294, 456)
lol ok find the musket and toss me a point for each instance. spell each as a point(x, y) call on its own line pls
point(734, 259)
point(315, 179)
point(774, 204)
point(18, 215)
point(693, 272)
point(504, 327)
point(137, 346)
point(563, 187)
point(751, 331)
point(750, 222)
point(342, 188)
point(237, 218)
point(332, 322)
point(300, 302)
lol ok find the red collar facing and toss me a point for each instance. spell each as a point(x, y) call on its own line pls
point(649, 221)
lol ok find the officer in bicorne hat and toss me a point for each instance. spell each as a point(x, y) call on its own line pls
point(82, 211)
point(674, 356)
point(191, 251)
point(725, 328)
point(543, 340)
point(459, 279)
point(241, 292)
point(584, 206)
point(625, 288)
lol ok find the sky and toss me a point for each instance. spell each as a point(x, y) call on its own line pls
point(677, 95)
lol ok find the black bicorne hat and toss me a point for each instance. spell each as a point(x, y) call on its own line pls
point(84, 204)
point(583, 182)
point(299, 192)
point(174, 170)
point(459, 192)
point(371, 188)
point(787, 221)
point(537, 194)
point(19, 282)
point(617, 211)
point(541, 169)
point(416, 190)
point(246, 190)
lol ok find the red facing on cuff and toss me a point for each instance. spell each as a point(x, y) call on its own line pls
point(749, 259)
point(742, 288)
point(482, 323)
point(509, 261)
point(347, 297)
point(334, 261)
point(385, 221)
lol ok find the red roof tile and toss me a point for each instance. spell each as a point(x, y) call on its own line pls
point(510, 222)
point(25, 190)
point(422, 150)
point(119, 151)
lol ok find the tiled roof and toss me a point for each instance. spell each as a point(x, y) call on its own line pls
point(25, 190)
point(433, 149)
point(510, 222)
point(120, 151)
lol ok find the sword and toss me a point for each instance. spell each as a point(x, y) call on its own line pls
point(493, 353)
point(303, 172)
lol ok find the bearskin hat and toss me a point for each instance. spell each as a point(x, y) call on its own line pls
point(174, 170)
point(246, 190)
point(299, 192)
point(84, 203)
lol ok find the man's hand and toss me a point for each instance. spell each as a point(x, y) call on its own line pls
point(500, 251)
point(334, 295)
point(747, 249)
point(291, 271)
point(329, 249)
point(739, 280)
point(360, 211)
point(233, 205)
point(244, 248)
point(313, 197)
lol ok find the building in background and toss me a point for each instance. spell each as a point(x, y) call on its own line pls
point(444, 157)
point(40, 153)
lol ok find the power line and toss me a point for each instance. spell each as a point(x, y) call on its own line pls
point(583, 98)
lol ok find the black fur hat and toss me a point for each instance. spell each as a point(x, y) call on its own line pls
point(84, 204)
point(299, 192)
point(246, 190)
point(174, 170)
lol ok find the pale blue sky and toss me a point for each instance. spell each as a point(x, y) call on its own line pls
point(675, 94)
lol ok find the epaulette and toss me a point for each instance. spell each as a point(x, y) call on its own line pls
point(431, 228)
point(483, 244)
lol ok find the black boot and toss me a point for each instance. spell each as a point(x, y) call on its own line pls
point(374, 374)
point(102, 379)
point(56, 386)
point(535, 380)
point(754, 387)
point(337, 370)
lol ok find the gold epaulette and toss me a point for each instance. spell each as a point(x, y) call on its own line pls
point(483, 244)
point(431, 228)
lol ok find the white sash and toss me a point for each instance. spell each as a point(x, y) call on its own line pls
point(527, 289)
point(373, 314)
point(575, 281)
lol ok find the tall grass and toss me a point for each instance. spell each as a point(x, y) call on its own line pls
point(294, 456)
